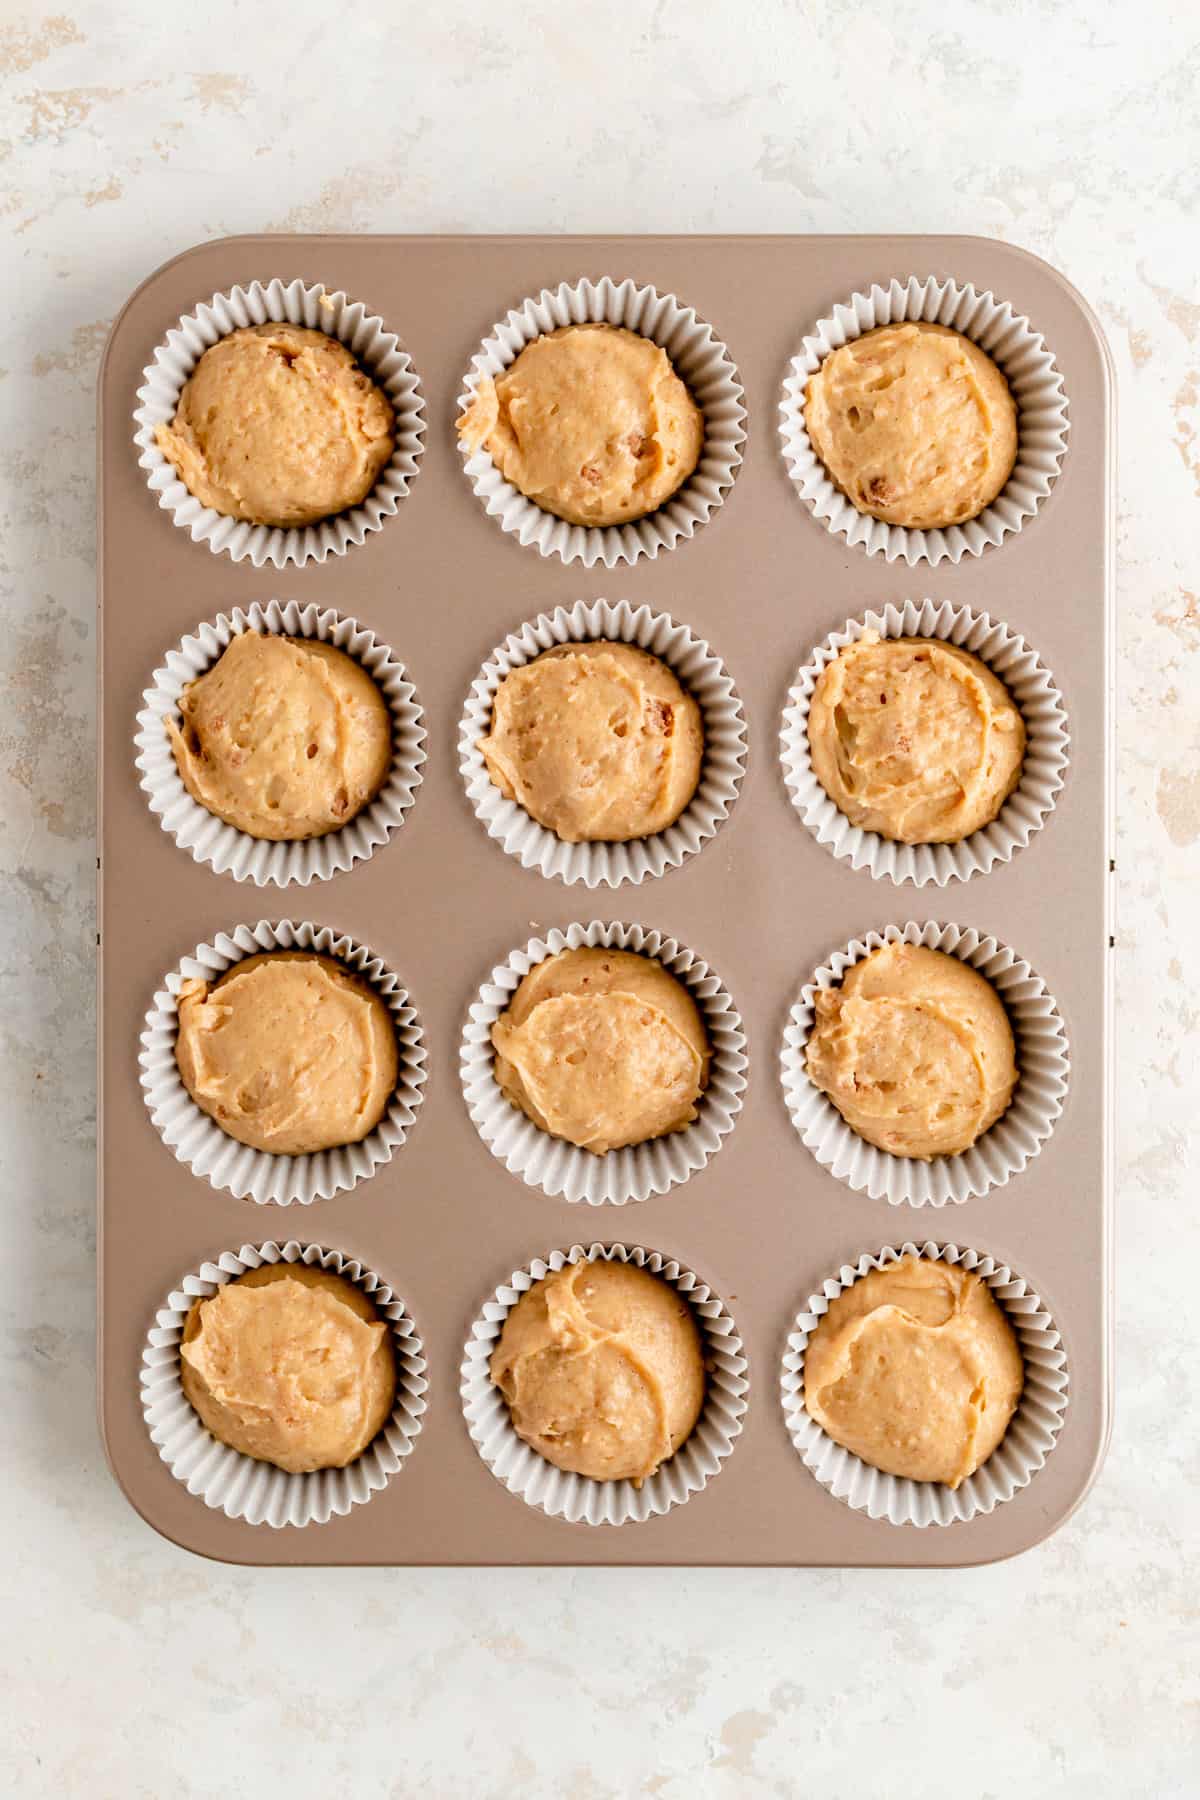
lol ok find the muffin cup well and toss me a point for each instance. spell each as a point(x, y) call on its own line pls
point(199, 1141)
point(579, 1498)
point(639, 1170)
point(1037, 387)
point(223, 846)
point(1024, 812)
point(700, 672)
point(1031, 1435)
point(1043, 1066)
point(701, 361)
point(238, 1485)
point(376, 349)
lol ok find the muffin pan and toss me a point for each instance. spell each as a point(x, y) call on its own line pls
point(759, 1225)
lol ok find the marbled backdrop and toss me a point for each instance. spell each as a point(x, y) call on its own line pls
point(128, 132)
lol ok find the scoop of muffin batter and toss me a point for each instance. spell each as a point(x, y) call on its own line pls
point(914, 738)
point(284, 738)
point(914, 423)
point(602, 1047)
point(598, 742)
point(291, 1365)
point(278, 425)
point(288, 1052)
point(915, 1369)
point(915, 1050)
point(602, 1368)
point(590, 422)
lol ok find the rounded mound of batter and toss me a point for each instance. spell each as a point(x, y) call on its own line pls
point(915, 1050)
point(914, 738)
point(602, 1368)
point(290, 1365)
point(916, 1370)
point(284, 738)
point(289, 1052)
point(603, 1048)
point(591, 423)
point(279, 425)
point(914, 423)
point(598, 742)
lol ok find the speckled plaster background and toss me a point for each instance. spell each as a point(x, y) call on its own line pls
point(128, 132)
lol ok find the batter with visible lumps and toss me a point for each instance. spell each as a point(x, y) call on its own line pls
point(914, 423)
point(914, 738)
point(915, 1050)
point(598, 742)
point(590, 422)
point(289, 1052)
point(603, 1048)
point(602, 1367)
point(278, 425)
point(915, 1369)
point(291, 1365)
point(283, 738)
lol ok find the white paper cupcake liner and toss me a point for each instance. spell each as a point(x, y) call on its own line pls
point(703, 675)
point(1030, 1437)
point(701, 361)
point(296, 303)
point(1037, 387)
point(578, 1498)
point(1043, 1067)
point(238, 1485)
point(639, 1170)
point(199, 1141)
point(1027, 807)
point(224, 847)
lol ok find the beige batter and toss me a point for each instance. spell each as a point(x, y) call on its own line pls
point(915, 1050)
point(591, 423)
point(914, 423)
point(291, 1365)
point(603, 1048)
point(914, 738)
point(279, 425)
point(289, 1052)
point(284, 738)
point(598, 742)
point(916, 1370)
point(602, 1368)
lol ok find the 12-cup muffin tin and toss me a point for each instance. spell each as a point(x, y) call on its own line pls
point(755, 569)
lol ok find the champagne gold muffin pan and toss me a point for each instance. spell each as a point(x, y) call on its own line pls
point(442, 893)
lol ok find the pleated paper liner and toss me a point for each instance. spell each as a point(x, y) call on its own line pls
point(1031, 1435)
point(638, 1170)
point(199, 1142)
point(241, 1486)
point(373, 346)
point(578, 1498)
point(1037, 387)
point(1027, 808)
point(699, 359)
point(1043, 1067)
point(699, 670)
point(222, 846)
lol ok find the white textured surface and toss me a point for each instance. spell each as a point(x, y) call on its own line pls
point(129, 1669)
